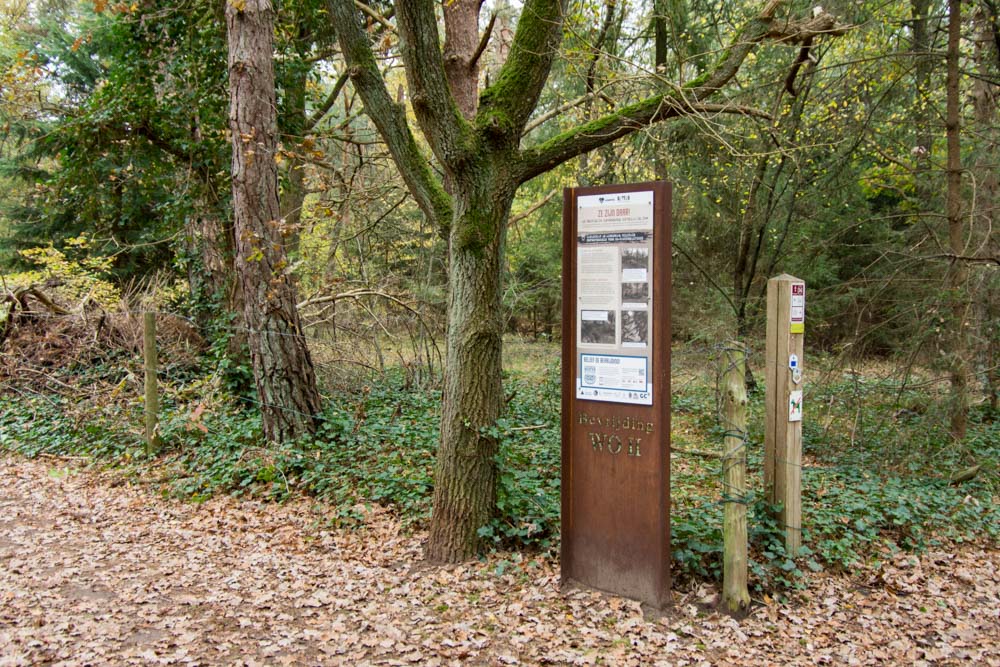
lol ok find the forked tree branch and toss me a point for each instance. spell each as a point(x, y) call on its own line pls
point(507, 104)
point(387, 115)
point(430, 95)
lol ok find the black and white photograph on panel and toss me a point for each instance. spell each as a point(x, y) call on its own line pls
point(597, 327)
point(635, 292)
point(635, 328)
point(635, 258)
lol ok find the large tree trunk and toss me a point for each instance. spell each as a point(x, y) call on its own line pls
point(957, 276)
point(283, 369)
point(465, 476)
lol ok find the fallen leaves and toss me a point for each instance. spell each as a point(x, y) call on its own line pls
point(96, 574)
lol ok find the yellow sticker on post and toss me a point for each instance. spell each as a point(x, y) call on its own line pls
point(798, 308)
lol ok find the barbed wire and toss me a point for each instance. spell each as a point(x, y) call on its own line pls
point(733, 456)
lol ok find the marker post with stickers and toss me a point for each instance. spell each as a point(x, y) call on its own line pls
point(786, 307)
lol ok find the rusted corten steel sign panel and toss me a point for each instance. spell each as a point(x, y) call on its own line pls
point(616, 390)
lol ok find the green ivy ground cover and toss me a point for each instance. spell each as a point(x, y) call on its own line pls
point(377, 446)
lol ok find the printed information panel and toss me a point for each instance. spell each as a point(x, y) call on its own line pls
point(614, 378)
point(614, 294)
point(616, 390)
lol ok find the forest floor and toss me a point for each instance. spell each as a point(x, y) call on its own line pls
point(96, 570)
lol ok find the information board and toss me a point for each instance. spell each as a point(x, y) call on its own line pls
point(613, 270)
point(616, 390)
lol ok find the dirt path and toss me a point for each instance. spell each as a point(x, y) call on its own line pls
point(97, 572)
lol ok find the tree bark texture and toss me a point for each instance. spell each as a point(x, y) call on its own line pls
point(210, 272)
point(283, 369)
point(985, 95)
point(461, 56)
point(466, 471)
point(957, 276)
point(212, 244)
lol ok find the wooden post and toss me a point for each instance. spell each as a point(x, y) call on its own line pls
point(783, 431)
point(735, 595)
point(149, 363)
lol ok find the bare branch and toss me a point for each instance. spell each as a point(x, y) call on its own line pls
point(514, 219)
point(328, 103)
point(484, 42)
point(686, 101)
point(388, 116)
point(605, 130)
point(965, 258)
point(376, 16)
point(562, 108)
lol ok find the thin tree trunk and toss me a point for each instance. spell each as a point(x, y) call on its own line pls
point(293, 194)
point(660, 67)
point(920, 25)
point(984, 95)
point(461, 56)
point(957, 277)
point(283, 369)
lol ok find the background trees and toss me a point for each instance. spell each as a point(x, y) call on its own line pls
point(419, 153)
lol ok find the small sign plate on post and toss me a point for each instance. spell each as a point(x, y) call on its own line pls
point(798, 308)
point(795, 406)
point(616, 390)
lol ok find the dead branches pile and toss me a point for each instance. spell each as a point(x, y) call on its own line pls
point(42, 334)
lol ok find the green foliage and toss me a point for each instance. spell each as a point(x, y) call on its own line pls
point(35, 424)
point(855, 517)
point(896, 425)
point(131, 135)
point(377, 446)
point(75, 278)
point(533, 290)
point(528, 491)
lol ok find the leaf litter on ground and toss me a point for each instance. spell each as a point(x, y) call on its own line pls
point(95, 570)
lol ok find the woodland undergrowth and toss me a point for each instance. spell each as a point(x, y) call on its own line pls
point(877, 471)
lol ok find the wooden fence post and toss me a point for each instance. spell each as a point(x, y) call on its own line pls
point(152, 405)
point(783, 429)
point(735, 595)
